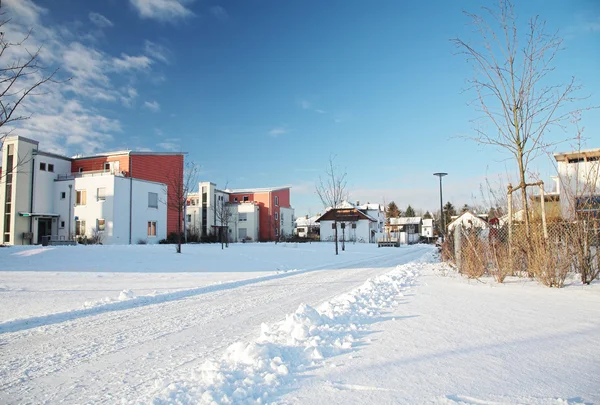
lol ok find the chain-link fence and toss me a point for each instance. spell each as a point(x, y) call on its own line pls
point(548, 255)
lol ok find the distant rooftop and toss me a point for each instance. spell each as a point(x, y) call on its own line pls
point(256, 190)
point(588, 154)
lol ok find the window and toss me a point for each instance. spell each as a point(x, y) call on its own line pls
point(151, 228)
point(152, 200)
point(243, 216)
point(62, 224)
point(189, 217)
point(282, 217)
point(245, 198)
point(100, 225)
point(276, 201)
point(81, 197)
point(276, 216)
point(63, 195)
point(50, 167)
point(235, 199)
point(43, 166)
point(276, 232)
point(80, 170)
point(101, 193)
point(106, 166)
point(80, 227)
point(193, 201)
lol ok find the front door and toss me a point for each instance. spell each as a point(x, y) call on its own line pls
point(44, 228)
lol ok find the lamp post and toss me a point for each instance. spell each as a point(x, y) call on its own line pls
point(442, 229)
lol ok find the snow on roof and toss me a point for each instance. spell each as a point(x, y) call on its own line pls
point(468, 219)
point(405, 221)
point(369, 206)
point(303, 221)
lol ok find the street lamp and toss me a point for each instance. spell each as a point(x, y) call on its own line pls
point(442, 229)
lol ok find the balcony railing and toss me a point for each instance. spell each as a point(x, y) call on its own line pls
point(91, 173)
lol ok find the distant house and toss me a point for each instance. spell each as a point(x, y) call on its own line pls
point(353, 223)
point(307, 227)
point(579, 183)
point(427, 227)
point(468, 220)
point(406, 230)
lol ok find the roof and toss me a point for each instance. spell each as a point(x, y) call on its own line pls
point(588, 153)
point(128, 152)
point(468, 219)
point(345, 215)
point(405, 221)
point(303, 221)
point(257, 190)
point(369, 206)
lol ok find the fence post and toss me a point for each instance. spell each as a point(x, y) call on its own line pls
point(543, 204)
point(457, 246)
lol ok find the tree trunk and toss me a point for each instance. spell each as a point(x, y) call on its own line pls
point(179, 231)
point(336, 237)
point(523, 185)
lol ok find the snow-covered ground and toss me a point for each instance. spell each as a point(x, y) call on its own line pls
point(285, 323)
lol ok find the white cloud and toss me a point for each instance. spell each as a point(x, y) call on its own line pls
point(152, 105)
point(127, 62)
point(128, 97)
point(24, 10)
point(219, 12)
point(63, 116)
point(99, 20)
point(156, 51)
point(170, 145)
point(162, 10)
point(275, 132)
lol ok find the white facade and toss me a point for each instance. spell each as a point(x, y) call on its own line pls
point(307, 226)
point(468, 220)
point(245, 222)
point(427, 228)
point(408, 229)
point(286, 221)
point(359, 231)
point(377, 212)
point(62, 205)
point(578, 182)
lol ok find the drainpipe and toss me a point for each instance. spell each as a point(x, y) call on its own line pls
point(31, 199)
point(70, 204)
point(130, 199)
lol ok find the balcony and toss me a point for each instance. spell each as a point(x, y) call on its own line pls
point(91, 173)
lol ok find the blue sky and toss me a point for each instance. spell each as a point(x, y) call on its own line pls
point(261, 92)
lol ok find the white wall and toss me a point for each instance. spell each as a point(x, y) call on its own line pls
point(250, 225)
point(142, 213)
point(44, 188)
point(577, 180)
point(95, 209)
point(361, 233)
point(427, 228)
point(286, 221)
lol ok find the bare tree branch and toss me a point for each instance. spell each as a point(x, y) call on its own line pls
point(511, 86)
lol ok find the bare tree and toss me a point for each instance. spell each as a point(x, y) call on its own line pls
point(180, 182)
point(332, 191)
point(20, 77)
point(511, 72)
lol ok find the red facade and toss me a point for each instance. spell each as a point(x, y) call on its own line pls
point(269, 203)
point(158, 167)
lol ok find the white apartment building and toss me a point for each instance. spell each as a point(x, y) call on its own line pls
point(40, 198)
point(578, 182)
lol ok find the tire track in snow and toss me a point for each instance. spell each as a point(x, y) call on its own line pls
point(123, 352)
